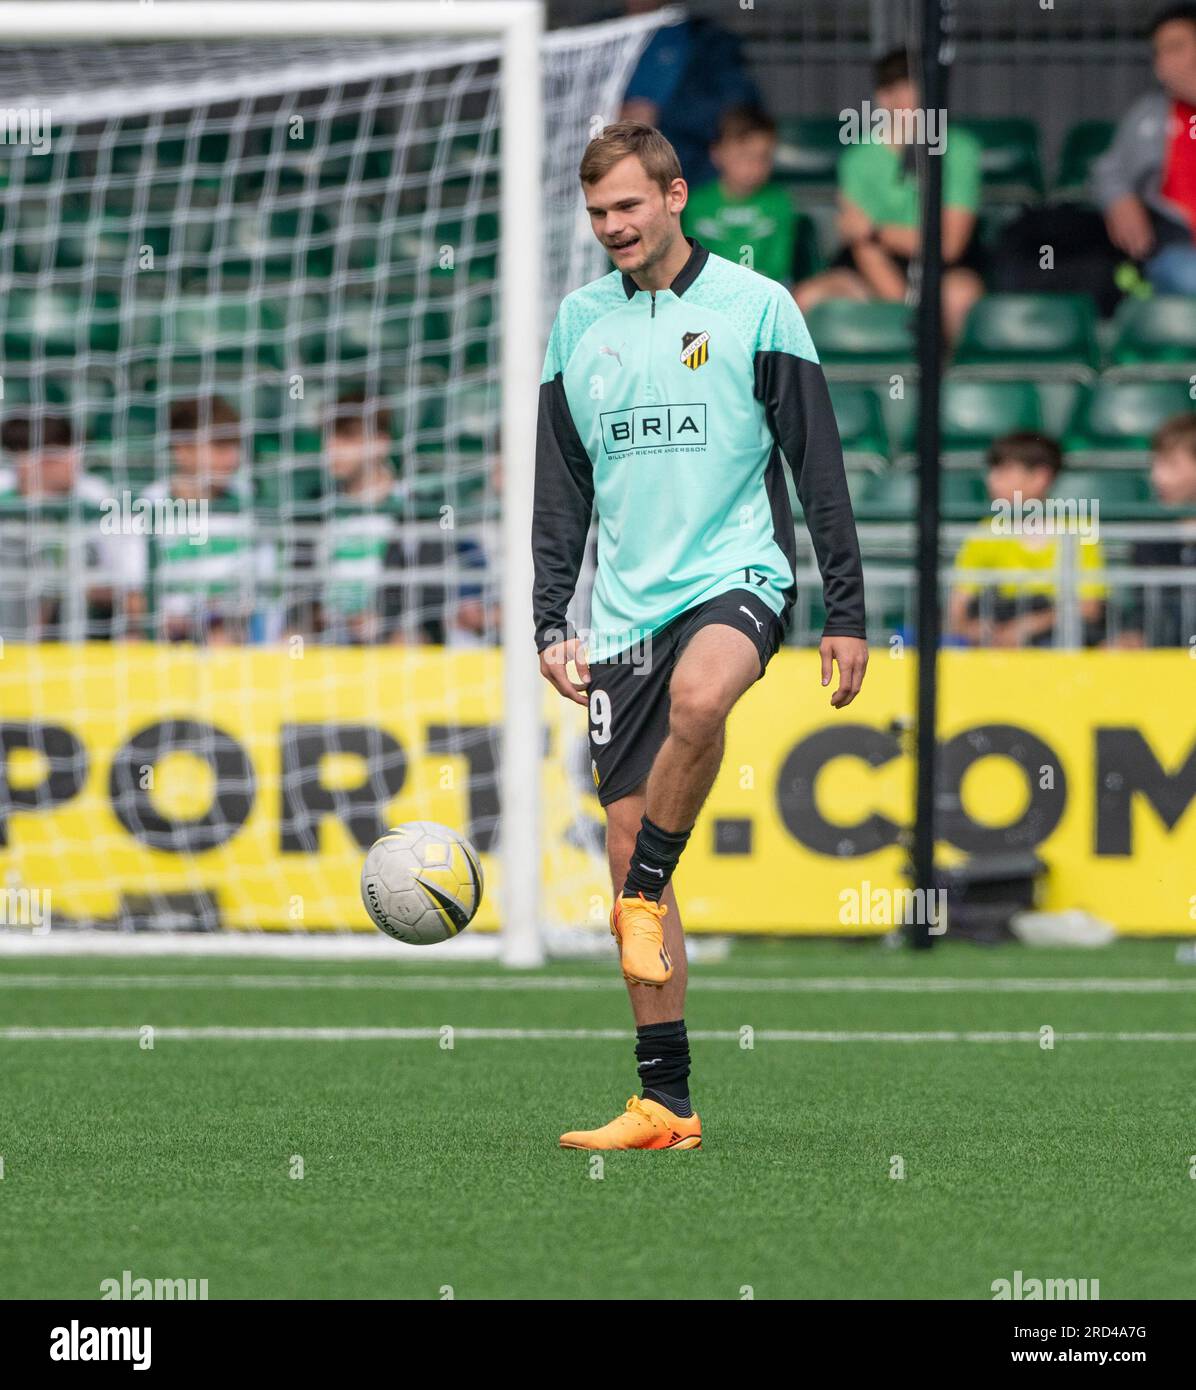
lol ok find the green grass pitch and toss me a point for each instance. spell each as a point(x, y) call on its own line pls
point(427, 1167)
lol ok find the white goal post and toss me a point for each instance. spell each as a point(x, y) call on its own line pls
point(518, 24)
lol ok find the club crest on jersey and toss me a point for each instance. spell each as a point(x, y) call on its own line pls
point(695, 350)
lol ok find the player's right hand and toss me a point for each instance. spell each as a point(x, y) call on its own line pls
point(554, 667)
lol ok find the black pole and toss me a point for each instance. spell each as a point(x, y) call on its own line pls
point(932, 83)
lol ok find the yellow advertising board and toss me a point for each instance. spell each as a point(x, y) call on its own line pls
point(249, 781)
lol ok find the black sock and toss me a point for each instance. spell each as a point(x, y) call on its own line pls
point(653, 859)
point(662, 1057)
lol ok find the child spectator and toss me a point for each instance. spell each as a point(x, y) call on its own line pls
point(361, 594)
point(1165, 616)
point(47, 466)
point(1022, 469)
point(743, 216)
point(209, 568)
point(879, 210)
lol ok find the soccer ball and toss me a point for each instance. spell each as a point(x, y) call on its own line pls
point(421, 883)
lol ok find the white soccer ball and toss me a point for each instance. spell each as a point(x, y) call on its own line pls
point(421, 883)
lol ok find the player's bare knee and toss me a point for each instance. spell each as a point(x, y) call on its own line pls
point(697, 714)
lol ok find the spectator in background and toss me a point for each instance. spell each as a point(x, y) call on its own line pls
point(1022, 468)
point(879, 212)
point(1145, 183)
point(47, 466)
point(361, 595)
point(742, 215)
point(689, 74)
point(1165, 616)
point(209, 568)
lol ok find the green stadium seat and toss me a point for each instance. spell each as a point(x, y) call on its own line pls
point(1084, 143)
point(473, 414)
point(824, 217)
point(1154, 337)
point(250, 248)
point(900, 410)
point(22, 167)
point(1009, 160)
point(356, 234)
point(974, 413)
point(289, 484)
point(807, 254)
point(44, 391)
point(1114, 420)
point(50, 234)
point(129, 461)
point(363, 327)
point(861, 424)
point(991, 221)
point(135, 423)
point(893, 496)
point(862, 339)
point(417, 247)
point(228, 333)
point(324, 154)
point(145, 163)
point(1058, 401)
point(808, 150)
point(1016, 335)
point(56, 323)
point(1113, 488)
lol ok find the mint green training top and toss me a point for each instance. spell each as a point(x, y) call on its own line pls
point(668, 412)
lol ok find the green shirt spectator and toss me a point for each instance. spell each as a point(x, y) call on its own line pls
point(879, 178)
point(742, 215)
point(755, 230)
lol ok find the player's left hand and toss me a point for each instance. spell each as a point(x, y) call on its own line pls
point(850, 654)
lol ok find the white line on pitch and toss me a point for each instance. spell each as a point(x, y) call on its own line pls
point(565, 983)
point(105, 1034)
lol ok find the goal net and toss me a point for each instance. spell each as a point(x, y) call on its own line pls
point(263, 449)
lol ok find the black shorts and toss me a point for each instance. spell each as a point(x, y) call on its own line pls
point(629, 702)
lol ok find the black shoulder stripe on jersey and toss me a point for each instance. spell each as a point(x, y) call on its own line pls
point(797, 406)
point(563, 505)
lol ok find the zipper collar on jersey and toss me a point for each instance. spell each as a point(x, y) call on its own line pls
point(685, 277)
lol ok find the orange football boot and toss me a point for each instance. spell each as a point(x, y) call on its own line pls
point(637, 924)
point(643, 1125)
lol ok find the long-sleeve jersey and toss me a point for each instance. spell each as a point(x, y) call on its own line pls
point(669, 412)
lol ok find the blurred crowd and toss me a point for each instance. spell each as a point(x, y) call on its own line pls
point(363, 572)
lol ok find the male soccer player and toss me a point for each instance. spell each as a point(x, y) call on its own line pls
point(670, 388)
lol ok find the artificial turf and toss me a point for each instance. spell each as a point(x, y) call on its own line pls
point(427, 1167)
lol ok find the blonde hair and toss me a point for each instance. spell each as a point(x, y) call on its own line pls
point(625, 138)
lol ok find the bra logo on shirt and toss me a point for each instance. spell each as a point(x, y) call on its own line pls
point(695, 350)
point(646, 427)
